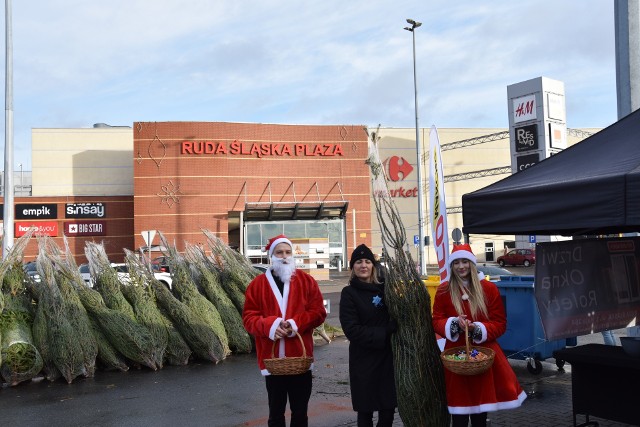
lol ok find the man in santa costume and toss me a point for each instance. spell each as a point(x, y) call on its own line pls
point(279, 303)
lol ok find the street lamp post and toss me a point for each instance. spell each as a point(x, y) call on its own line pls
point(423, 269)
point(8, 209)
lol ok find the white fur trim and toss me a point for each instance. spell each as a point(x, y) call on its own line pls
point(447, 330)
point(484, 332)
point(462, 254)
point(272, 329)
point(488, 407)
point(294, 327)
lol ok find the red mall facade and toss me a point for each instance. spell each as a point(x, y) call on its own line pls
point(243, 182)
point(248, 182)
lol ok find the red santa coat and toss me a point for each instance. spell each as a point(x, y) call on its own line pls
point(300, 303)
point(496, 389)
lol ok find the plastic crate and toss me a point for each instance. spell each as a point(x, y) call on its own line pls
point(524, 338)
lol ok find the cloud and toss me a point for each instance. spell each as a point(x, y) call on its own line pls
point(318, 62)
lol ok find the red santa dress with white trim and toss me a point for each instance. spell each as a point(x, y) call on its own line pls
point(496, 389)
point(265, 307)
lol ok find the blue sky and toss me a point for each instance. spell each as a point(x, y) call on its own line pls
point(77, 63)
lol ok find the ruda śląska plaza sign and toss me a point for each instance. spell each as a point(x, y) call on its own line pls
point(260, 149)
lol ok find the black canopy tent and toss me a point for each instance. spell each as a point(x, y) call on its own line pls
point(592, 187)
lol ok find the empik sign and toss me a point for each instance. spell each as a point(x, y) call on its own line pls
point(36, 211)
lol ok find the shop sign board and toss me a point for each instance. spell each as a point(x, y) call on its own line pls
point(36, 211)
point(85, 210)
point(47, 228)
point(260, 149)
point(587, 285)
point(557, 136)
point(85, 228)
point(526, 138)
point(526, 161)
point(524, 108)
point(398, 169)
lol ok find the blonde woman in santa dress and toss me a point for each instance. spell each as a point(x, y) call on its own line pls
point(470, 303)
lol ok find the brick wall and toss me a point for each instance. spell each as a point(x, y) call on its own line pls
point(190, 175)
point(118, 222)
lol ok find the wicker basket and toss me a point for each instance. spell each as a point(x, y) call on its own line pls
point(467, 366)
point(288, 365)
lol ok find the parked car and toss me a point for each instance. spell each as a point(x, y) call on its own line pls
point(160, 264)
point(32, 271)
point(86, 274)
point(122, 270)
point(494, 271)
point(261, 267)
point(524, 257)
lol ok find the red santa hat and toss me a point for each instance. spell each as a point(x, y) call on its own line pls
point(462, 252)
point(274, 241)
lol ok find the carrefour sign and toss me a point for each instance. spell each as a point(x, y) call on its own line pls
point(398, 169)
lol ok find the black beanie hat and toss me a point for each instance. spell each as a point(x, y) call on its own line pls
point(361, 252)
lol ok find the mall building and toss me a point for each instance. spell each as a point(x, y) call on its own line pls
point(246, 182)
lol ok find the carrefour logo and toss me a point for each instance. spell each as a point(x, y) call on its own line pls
point(398, 168)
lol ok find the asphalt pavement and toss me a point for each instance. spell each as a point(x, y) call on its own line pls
point(232, 393)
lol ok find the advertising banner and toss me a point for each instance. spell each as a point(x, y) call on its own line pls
point(587, 286)
point(47, 228)
point(438, 209)
point(85, 228)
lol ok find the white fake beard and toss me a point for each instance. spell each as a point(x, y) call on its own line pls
point(284, 268)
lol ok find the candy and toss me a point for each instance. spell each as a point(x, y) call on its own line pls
point(475, 355)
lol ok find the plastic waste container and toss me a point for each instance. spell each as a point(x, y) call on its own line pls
point(432, 283)
point(524, 338)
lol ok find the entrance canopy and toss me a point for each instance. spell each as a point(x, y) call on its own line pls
point(592, 187)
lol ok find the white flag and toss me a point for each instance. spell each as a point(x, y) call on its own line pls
point(439, 229)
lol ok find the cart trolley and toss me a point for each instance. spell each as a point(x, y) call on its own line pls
point(524, 338)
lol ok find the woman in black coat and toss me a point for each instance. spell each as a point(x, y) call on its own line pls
point(366, 323)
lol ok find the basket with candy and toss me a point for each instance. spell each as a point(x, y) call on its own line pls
point(467, 360)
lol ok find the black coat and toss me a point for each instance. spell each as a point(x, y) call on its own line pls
point(366, 325)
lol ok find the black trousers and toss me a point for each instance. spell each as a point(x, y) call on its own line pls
point(297, 388)
point(477, 420)
point(385, 418)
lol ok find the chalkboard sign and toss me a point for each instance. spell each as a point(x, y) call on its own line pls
point(586, 286)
